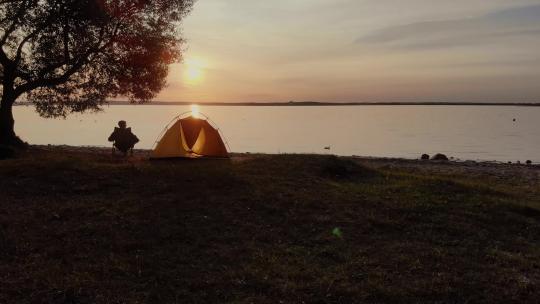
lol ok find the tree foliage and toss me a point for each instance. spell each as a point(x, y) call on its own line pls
point(72, 55)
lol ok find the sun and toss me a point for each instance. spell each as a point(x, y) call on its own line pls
point(194, 70)
point(193, 73)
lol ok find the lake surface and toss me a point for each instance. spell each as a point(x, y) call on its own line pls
point(463, 132)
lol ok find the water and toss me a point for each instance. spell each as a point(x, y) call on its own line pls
point(463, 132)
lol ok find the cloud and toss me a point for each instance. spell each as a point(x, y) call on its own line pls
point(494, 27)
point(407, 50)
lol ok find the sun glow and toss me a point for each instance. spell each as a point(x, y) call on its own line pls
point(195, 111)
point(194, 70)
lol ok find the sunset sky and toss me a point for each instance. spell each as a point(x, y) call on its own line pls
point(359, 50)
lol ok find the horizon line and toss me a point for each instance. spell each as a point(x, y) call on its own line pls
point(314, 103)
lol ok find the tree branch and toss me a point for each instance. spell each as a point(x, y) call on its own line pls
point(30, 36)
point(49, 82)
point(13, 25)
point(66, 43)
point(44, 82)
point(4, 60)
point(23, 42)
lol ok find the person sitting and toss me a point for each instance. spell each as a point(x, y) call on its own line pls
point(123, 139)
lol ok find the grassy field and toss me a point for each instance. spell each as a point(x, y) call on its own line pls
point(82, 227)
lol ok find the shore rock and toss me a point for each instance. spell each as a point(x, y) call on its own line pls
point(440, 156)
point(424, 157)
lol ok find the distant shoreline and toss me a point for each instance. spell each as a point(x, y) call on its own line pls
point(319, 104)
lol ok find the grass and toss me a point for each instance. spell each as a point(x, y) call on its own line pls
point(81, 227)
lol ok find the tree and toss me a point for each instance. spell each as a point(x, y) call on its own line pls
point(68, 56)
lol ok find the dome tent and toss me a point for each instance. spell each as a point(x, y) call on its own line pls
point(189, 137)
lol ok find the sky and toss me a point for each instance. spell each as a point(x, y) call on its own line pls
point(359, 51)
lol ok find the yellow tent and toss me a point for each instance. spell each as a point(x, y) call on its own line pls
point(190, 137)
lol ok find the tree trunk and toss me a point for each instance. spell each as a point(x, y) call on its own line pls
point(7, 124)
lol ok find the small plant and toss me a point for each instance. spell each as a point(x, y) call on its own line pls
point(337, 233)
